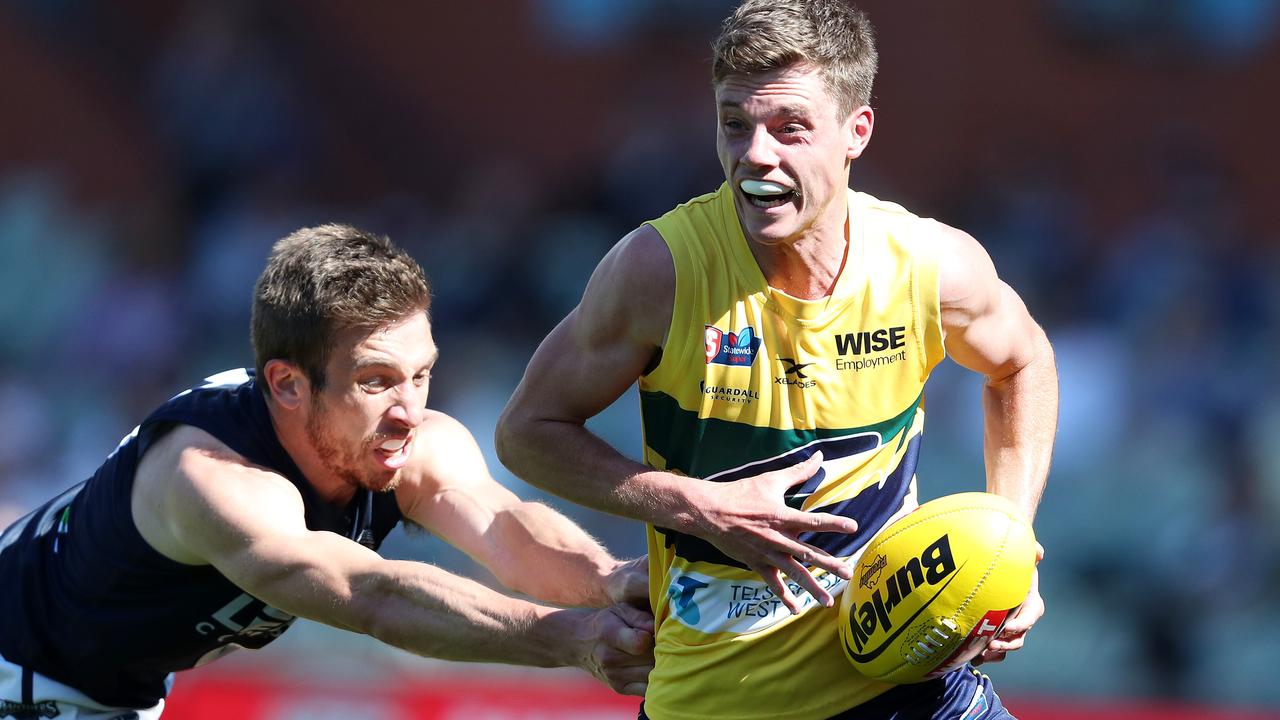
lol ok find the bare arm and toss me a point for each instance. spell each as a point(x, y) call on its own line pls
point(988, 330)
point(199, 503)
point(608, 340)
point(528, 546)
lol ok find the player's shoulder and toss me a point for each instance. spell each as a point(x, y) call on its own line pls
point(875, 205)
point(944, 239)
point(185, 444)
point(439, 433)
point(188, 459)
point(700, 203)
point(643, 255)
point(892, 215)
point(632, 291)
point(445, 454)
point(441, 444)
point(188, 480)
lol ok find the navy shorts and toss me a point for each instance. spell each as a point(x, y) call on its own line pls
point(964, 694)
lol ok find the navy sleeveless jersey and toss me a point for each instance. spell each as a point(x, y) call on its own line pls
point(86, 601)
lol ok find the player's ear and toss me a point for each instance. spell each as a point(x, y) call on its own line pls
point(858, 127)
point(287, 383)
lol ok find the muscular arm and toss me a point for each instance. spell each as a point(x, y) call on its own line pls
point(609, 338)
point(198, 503)
point(608, 341)
point(528, 546)
point(987, 329)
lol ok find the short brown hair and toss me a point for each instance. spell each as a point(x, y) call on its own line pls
point(834, 37)
point(320, 281)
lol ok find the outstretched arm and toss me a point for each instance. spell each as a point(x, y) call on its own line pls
point(609, 340)
point(988, 330)
point(199, 503)
point(528, 546)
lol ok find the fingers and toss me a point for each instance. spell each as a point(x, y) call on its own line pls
point(773, 578)
point(636, 689)
point(989, 655)
point(623, 656)
point(1013, 635)
point(631, 641)
point(800, 578)
point(798, 473)
point(628, 681)
point(1002, 646)
point(804, 579)
point(624, 673)
point(1023, 619)
point(629, 582)
point(636, 618)
point(819, 558)
point(822, 522)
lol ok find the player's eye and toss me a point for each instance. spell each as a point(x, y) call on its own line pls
point(375, 384)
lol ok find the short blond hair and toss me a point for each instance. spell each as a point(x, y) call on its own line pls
point(830, 35)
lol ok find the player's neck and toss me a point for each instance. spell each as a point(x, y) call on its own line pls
point(807, 267)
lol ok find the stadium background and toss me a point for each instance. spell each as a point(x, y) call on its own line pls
point(1118, 160)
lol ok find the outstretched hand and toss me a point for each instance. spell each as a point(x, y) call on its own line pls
point(620, 648)
point(1014, 633)
point(748, 520)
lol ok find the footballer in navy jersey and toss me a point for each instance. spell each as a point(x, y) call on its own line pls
point(263, 494)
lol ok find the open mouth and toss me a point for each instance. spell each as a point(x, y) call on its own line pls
point(395, 451)
point(764, 194)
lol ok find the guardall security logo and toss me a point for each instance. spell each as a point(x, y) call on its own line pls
point(724, 393)
point(935, 567)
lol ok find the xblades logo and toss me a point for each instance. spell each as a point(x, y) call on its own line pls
point(795, 369)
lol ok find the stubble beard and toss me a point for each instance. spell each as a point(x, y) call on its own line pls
point(332, 454)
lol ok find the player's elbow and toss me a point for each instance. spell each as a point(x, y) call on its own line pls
point(514, 425)
point(1030, 359)
point(1042, 351)
point(365, 609)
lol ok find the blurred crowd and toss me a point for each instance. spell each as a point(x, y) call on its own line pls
point(1164, 307)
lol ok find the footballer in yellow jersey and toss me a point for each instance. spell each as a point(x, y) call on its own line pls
point(782, 330)
point(752, 379)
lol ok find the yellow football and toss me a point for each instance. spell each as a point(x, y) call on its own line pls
point(935, 586)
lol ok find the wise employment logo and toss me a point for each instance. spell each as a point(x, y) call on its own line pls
point(738, 349)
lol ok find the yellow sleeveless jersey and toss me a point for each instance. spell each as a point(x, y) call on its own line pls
point(751, 380)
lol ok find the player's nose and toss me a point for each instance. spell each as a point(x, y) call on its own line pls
point(410, 407)
point(760, 150)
